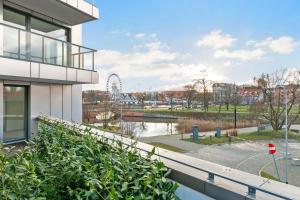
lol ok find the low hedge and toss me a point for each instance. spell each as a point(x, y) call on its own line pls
point(61, 163)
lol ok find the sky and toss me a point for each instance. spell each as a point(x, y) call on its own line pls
point(166, 44)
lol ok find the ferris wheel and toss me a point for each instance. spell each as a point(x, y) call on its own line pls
point(114, 87)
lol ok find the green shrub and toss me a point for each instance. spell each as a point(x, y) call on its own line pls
point(63, 164)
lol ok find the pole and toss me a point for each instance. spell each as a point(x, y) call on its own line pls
point(121, 118)
point(171, 104)
point(235, 102)
point(286, 138)
point(276, 167)
point(234, 116)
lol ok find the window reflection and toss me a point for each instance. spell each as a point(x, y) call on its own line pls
point(41, 41)
point(11, 35)
point(48, 29)
point(14, 113)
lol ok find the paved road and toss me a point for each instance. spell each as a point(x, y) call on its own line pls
point(246, 156)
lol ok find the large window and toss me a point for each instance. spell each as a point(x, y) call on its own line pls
point(18, 43)
point(48, 29)
point(15, 113)
point(29, 38)
point(11, 35)
point(13, 18)
point(53, 49)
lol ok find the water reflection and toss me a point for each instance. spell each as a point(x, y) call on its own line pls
point(149, 127)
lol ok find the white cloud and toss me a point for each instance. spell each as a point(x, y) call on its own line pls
point(227, 63)
point(140, 35)
point(153, 45)
point(281, 45)
point(110, 57)
point(156, 62)
point(242, 54)
point(216, 40)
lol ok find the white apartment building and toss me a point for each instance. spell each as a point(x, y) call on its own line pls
point(42, 63)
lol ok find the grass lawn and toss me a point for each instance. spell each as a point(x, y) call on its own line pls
point(268, 176)
point(262, 135)
point(167, 147)
point(213, 109)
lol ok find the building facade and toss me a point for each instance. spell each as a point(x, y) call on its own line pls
point(42, 63)
point(223, 92)
point(250, 94)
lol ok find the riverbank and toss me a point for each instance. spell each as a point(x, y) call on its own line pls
point(196, 114)
point(139, 114)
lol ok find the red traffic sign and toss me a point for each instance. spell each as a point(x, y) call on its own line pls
point(272, 148)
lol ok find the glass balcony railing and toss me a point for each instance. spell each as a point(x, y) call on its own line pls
point(24, 45)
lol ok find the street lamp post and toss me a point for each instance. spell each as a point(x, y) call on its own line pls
point(286, 137)
point(235, 102)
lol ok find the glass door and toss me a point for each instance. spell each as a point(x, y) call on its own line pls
point(15, 113)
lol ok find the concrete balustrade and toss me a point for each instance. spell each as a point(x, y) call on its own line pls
point(211, 179)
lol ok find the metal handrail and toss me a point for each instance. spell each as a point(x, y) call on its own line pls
point(81, 50)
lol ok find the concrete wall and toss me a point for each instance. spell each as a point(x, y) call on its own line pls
point(60, 101)
point(12, 69)
point(1, 109)
point(53, 90)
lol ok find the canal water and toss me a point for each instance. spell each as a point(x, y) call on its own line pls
point(149, 127)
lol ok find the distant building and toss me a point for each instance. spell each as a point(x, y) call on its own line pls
point(129, 99)
point(250, 94)
point(222, 92)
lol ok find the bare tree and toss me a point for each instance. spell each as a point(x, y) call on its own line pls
point(140, 96)
point(279, 88)
point(228, 95)
point(190, 93)
point(204, 84)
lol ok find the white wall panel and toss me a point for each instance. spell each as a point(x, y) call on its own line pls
point(39, 103)
point(95, 12)
point(67, 102)
point(85, 6)
point(13, 67)
point(77, 34)
point(84, 76)
point(71, 2)
point(40, 99)
point(95, 77)
point(1, 110)
point(35, 71)
point(52, 72)
point(56, 101)
point(77, 103)
point(71, 74)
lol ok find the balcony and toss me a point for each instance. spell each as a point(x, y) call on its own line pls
point(44, 58)
point(71, 12)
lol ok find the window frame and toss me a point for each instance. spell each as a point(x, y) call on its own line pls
point(28, 17)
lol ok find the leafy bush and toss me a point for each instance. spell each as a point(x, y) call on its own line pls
point(63, 164)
